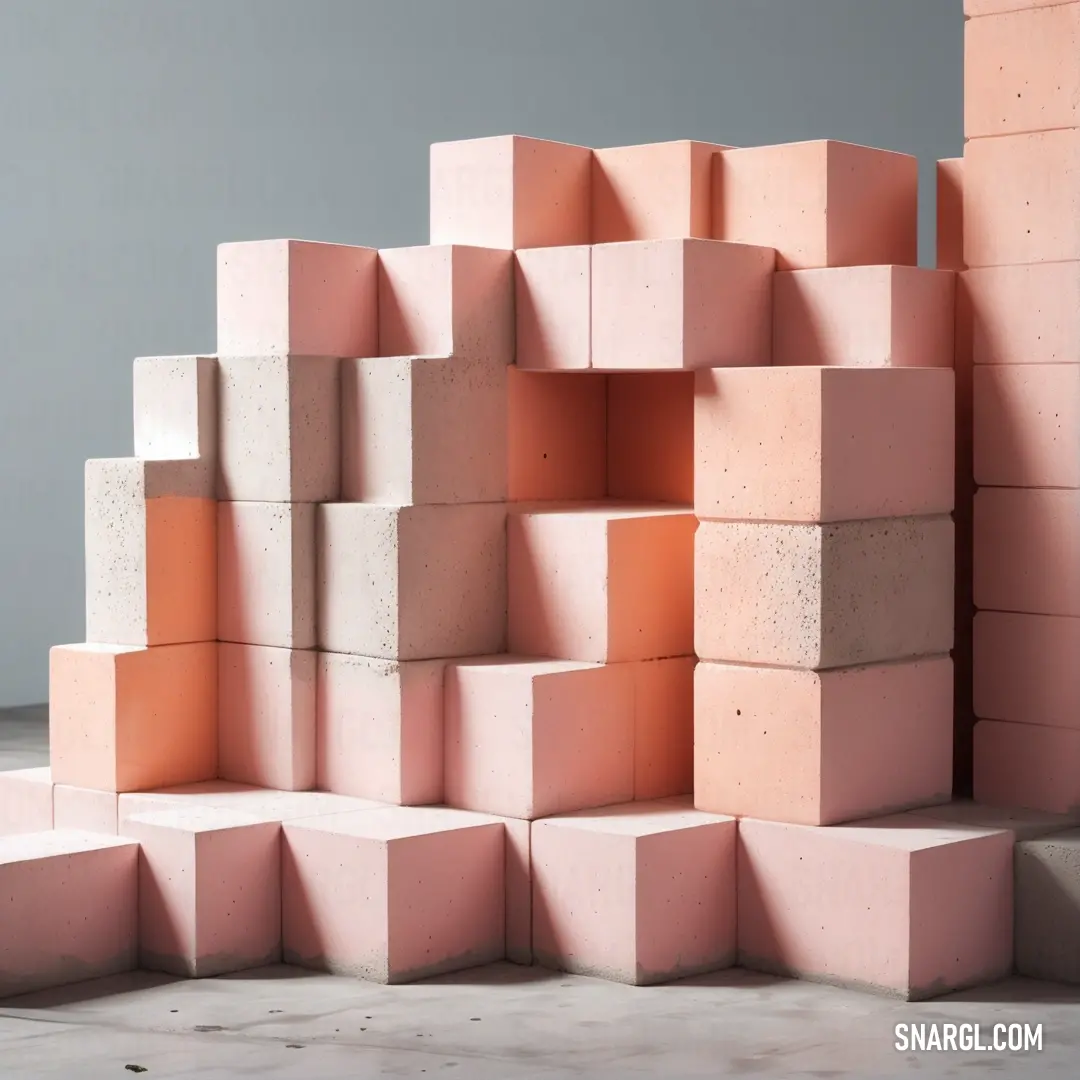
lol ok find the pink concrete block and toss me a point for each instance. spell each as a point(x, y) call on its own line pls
point(518, 871)
point(553, 308)
point(824, 596)
point(950, 214)
point(510, 192)
point(209, 891)
point(997, 7)
point(394, 895)
point(603, 583)
point(85, 809)
point(650, 436)
point(652, 192)
point(530, 738)
point(1027, 766)
point(1025, 551)
point(279, 429)
point(664, 727)
point(26, 801)
point(818, 748)
point(175, 406)
point(380, 728)
point(278, 297)
point(556, 436)
point(864, 316)
point(446, 301)
point(412, 582)
point(123, 718)
point(1026, 419)
point(666, 305)
point(266, 704)
point(823, 444)
point(424, 430)
point(819, 203)
point(639, 893)
point(151, 576)
point(266, 574)
point(70, 909)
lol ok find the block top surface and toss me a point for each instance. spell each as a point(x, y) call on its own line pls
point(394, 822)
point(26, 847)
point(99, 648)
point(41, 774)
point(195, 819)
point(263, 804)
point(524, 666)
point(1066, 842)
point(1024, 824)
point(639, 818)
point(897, 832)
point(597, 511)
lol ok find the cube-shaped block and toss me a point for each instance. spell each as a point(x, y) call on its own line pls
point(423, 430)
point(266, 708)
point(819, 203)
point(553, 308)
point(681, 304)
point(276, 297)
point(123, 718)
point(26, 801)
point(394, 895)
point(151, 576)
point(175, 406)
point(85, 809)
point(640, 893)
point(530, 738)
point(663, 727)
point(70, 909)
point(1028, 766)
point(380, 728)
point(510, 192)
point(901, 905)
point(266, 574)
point(1023, 824)
point(823, 444)
point(1048, 908)
point(864, 316)
point(824, 596)
point(819, 748)
point(279, 429)
point(950, 214)
point(602, 583)
point(446, 301)
point(412, 582)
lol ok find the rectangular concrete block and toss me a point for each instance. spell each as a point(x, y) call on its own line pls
point(553, 308)
point(123, 718)
point(823, 444)
point(85, 809)
point(640, 893)
point(510, 192)
point(280, 297)
point(819, 203)
point(903, 906)
point(663, 305)
point(602, 583)
point(450, 300)
point(530, 738)
point(820, 748)
point(1048, 908)
point(279, 429)
point(26, 801)
point(950, 214)
point(394, 895)
point(70, 909)
point(864, 316)
point(175, 406)
point(424, 429)
point(380, 728)
point(1027, 766)
point(824, 596)
point(1023, 824)
point(412, 582)
point(266, 705)
point(663, 727)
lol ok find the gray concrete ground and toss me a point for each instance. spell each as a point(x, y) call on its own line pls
point(502, 1022)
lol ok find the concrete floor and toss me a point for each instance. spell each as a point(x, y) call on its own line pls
point(501, 1022)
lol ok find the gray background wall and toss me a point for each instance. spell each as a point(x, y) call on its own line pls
point(135, 135)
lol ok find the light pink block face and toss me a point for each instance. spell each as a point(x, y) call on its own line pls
point(530, 738)
point(904, 906)
point(84, 809)
point(664, 727)
point(601, 583)
point(661, 305)
point(266, 574)
point(446, 301)
point(87, 929)
point(510, 192)
point(412, 582)
point(209, 891)
point(175, 407)
point(294, 297)
point(639, 893)
point(824, 596)
point(864, 316)
point(424, 430)
point(394, 895)
point(950, 214)
point(819, 748)
point(1027, 766)
point(26, 801)
point(823, 444)
point(819, 203)
point(380, 728)
point(553, 308)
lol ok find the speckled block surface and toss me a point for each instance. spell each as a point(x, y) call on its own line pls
point(175, 409)
point(1048, 908)
point(1023, 824)
point(26, 801)
point(950, 214)
point(553, 308)
point(1030, 766)
point(84, 808)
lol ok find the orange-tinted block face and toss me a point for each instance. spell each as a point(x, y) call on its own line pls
point(1027, 766)
point(950, 214)
point(664, 727)
point(552, 300)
